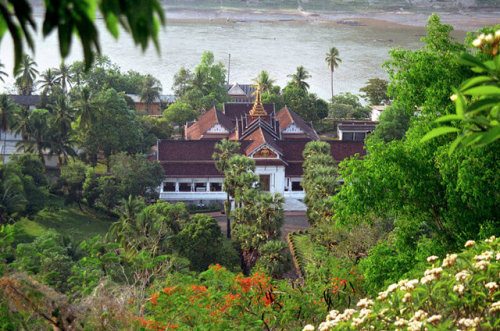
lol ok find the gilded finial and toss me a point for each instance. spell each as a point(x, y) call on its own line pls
point(258, 108)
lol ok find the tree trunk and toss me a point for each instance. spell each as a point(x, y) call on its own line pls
point(227, 210)
point(331, 78)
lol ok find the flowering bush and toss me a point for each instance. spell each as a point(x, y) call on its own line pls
point(219, 300)
point(459, 292)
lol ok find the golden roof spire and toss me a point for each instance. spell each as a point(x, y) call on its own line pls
point(258, 108)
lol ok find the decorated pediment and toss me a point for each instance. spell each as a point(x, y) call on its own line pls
point(292, 128)
point(265, 152)
point(217, 128)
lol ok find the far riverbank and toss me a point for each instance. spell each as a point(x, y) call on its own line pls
point(460, 20)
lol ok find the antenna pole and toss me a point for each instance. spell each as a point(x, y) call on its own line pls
point(229, 68)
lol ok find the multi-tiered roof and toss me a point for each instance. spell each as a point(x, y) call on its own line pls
point(269, 138)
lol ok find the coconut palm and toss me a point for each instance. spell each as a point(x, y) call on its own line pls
point(223, 152)
point(77, 71)
point(22, 122)
point(36, 134)
point(333, 60)
point(8, 110)
point(48, 80)
point(150, 91)
point(264, 82)
point(26, 75)
point(64, 76)
point(299, 78)
point(86, 107)
point(12, 197)
point(59, 140)
point(2, 73)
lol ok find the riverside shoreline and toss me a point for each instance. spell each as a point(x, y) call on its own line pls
point(460, 20)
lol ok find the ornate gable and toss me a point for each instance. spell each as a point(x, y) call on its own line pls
point(265, 152)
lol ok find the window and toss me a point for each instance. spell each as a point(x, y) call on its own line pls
point(297, 186)
point(215, 187)
point(359, 136)
point(169, 187)
point(265, 181)
point(348, 136)
point(200, 187)
point(184, 187)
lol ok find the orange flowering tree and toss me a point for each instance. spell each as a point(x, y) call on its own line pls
point(218, 299)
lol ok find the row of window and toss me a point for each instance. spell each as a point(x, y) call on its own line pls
point(217, 187)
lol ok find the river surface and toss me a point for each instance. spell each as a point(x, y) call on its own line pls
point(278, 47)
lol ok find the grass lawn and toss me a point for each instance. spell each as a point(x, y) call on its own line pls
point(68, 220)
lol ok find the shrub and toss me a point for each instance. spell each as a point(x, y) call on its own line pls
point(461, 291)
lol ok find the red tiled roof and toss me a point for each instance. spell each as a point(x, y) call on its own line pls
point(205, 122)
point(258, 138)
point(192, 170)
point(287, 117)
point(341, 150)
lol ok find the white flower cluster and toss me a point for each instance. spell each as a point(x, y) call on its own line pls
point(483, 260)
point(489, 38)
point(495, 306)
point(449, 260)
point(408, 316)
point(468, 323)
point(334, 318)
point(463, 275)
point(431, 274)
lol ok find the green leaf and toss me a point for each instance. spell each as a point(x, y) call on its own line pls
point(482, 104)
point(112, 24)
point(448, 118)
point(438, 132)
point(488, 90)
point(489, 136)
point(455, 144)
point(475, 81)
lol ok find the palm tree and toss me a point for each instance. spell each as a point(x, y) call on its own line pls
point(64, 76)
point(2, 73)
point(299, 78)
point(264, 82)
point(36, 133)
point(22, 122)
point(226, 149)
point(59, 140)
point(333, 60)
point(8, 110)
point(26, 75)
point(49, 80)
point(85, 106)
point(150, 91)
point(77, 71)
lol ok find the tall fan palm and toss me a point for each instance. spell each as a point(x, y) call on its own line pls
point(49, 80)
point(2, 73)
point(333, 60)
point(64, 76)
point(150, 91)
point(8, 110)
point(223, 152)
point(26, 75)
point(264, 81)
point(299, 78)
